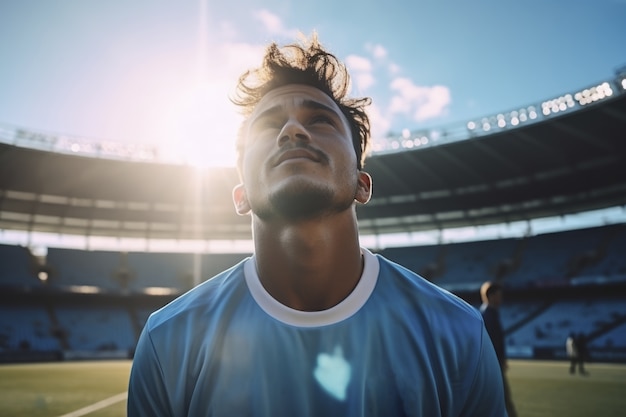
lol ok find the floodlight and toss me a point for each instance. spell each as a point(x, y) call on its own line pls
point(593, 94)
point(43, 276)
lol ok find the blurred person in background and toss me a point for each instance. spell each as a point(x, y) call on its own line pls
point(576, 348)
point(312, 324)
point(491, 296)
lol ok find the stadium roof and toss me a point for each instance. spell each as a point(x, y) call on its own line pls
point(567, 163)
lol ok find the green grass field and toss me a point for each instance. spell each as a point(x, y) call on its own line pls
point(540, 389)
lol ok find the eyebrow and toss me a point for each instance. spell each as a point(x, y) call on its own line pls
point(307, 103)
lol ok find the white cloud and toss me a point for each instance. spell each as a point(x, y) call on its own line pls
point(358, 63)
point(377, 51)
point(393, 68)
point(419, 102)
point(435, 105)
point(364, 80)
point(361, 71)
point(273, 24)
point(380, 124)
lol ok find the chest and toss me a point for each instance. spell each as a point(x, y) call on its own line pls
point(360, 369)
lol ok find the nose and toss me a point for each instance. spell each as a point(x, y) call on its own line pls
point(293, 131)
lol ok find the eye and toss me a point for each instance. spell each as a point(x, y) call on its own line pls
point(267, 123)
point(322, 119)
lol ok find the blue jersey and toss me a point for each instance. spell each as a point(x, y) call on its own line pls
point(396, 346)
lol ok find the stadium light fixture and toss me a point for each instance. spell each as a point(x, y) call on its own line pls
point(43, 276)
point(515, 117)
point(593, 94)
point(557, 105)
point(501, 120)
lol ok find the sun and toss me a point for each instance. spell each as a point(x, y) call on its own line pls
point(202, 127)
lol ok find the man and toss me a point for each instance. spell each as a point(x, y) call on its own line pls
point(576, 352)
point(491, 295)
point(572, 352)
point(312, 324)
point(583, 352)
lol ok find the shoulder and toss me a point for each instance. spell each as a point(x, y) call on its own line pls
point(424, 294)
point(448, 332)
point(202, 299)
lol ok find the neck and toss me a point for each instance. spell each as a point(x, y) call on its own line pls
point(312, 265)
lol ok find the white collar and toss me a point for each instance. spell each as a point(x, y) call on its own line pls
point(346, 308)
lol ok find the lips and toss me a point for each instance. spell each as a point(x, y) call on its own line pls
point(296, 154)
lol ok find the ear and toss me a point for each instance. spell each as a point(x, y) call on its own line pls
point(364, 188)
point(241, 201)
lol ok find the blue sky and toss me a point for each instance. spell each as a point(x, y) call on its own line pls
point(159, 71)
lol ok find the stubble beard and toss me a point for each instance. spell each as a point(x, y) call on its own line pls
point(302, 202)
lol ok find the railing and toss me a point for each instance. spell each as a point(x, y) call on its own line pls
point(482, 126)
point(508, 120)
point(76, 145)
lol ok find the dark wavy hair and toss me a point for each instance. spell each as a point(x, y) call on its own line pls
point(310, 64)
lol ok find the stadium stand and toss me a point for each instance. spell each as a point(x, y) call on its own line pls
point(544, 304)
point(494, 170)
point(606, 262)
point(17, 267)
point(213, 264)
point(73, 267)
point(91, 328)
point(612, 338)
point(166, 270)
point(26, 328)
point(424, 260)
point(467, 265)
point(556, 322)
point(550, 258)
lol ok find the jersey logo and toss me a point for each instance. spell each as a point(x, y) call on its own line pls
point(333, 373)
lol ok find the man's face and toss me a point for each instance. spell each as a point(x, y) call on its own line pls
point(298, 157)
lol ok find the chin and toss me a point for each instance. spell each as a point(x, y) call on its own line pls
point(301, 202)
point(304, 204)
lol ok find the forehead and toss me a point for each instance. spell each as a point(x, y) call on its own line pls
point(295, 96)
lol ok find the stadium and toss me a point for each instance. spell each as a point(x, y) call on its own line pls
point(555, 159)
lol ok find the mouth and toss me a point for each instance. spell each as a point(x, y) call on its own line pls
point(297, 154)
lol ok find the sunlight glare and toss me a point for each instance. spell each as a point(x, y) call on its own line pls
point(203, 122)
point(203, 128)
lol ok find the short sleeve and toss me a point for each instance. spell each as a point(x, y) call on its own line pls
point(147, 394)
point(486, 395)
